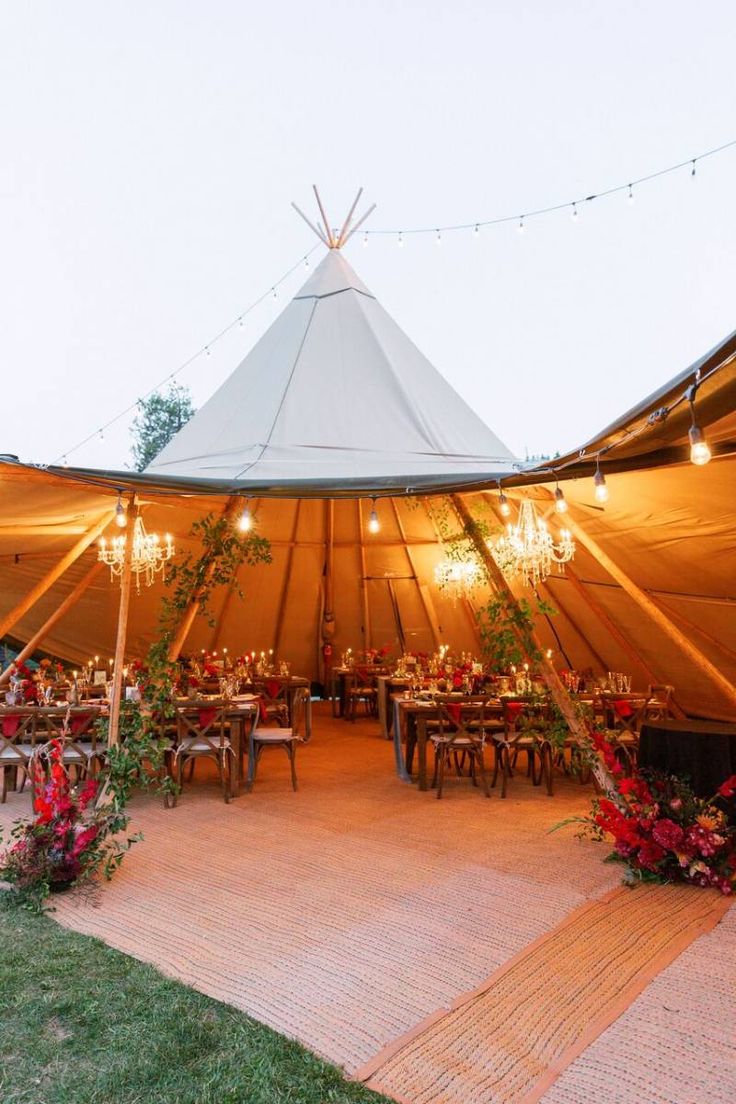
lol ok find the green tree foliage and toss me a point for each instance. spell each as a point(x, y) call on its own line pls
point(159, 417)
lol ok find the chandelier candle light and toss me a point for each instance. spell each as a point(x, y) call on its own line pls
point(148, 558)
point(458, 577)
point(528, 548)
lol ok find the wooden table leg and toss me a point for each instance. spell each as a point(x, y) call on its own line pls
point(422, 751)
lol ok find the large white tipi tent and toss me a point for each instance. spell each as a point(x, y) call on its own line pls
point(334, 407)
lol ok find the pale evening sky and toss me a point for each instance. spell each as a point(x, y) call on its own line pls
point(149, 152)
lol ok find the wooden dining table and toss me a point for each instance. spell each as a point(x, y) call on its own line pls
point(410, 723)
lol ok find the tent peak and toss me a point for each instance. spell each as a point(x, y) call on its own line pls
point(331, 236)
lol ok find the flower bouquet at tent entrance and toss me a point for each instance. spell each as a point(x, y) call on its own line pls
point(663, 832)
point(72, 837)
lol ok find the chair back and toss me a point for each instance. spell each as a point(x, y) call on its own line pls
point(17, 735)
point(460, 718)
point(659, 705)
point(524, 716)
point(201, 722)
point(626, 714)
point(273, 689)
point(298, 711)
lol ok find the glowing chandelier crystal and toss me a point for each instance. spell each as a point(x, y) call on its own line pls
point(528, 549)
point(148, 555)
point(457, 577)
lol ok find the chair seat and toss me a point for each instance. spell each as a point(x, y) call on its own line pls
point(202, 747)
point(274, 735)
point(456, 741)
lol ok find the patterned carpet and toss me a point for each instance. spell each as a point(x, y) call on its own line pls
point(347, 913)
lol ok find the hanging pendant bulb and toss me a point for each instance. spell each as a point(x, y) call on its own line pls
point(438, 239)
point(504, 508)
point(692, 171)
point(374, 525)
point(601, 490)
point(560, 501)
point(207, 350)
point(306, 262)
point(241, 323)
point(275, 293)
point(521, 225)
point(476, 231)
point(401, 239)
point(574, 212)
point(245, 521)
point(699, 451)
point(365, 239)
point(121, 518)
point(631, 195)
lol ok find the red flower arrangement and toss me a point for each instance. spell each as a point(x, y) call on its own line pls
point(662, 831)
point(70, 838)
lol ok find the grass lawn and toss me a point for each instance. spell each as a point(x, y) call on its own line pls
point(81, 1023)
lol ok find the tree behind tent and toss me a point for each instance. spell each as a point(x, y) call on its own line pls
point(159, 418)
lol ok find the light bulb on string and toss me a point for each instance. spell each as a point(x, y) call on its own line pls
point(374, 525)
point(241, 323)
point(631, 194)
point(574, 212)
point(521, 225)
point(207, 350)
point(504, 508)
point(599, 483)
point(438, 239)
point(121, 518)
point(275, 293)
point(692, 171)
point(560, 501)
point(245, 521)
point(401, 239)
point(365, 240)
point(699, 451)
point(476, 231)
point(306, 262)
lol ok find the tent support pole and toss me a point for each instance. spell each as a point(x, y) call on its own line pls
point(551, 679)
point(187, 618)
point(41, 634)
point(655, 614)
point(113, 732)
point(287, 580)
point(21, 609)
point(723, 648)
point(363, 581)
point(428, 610)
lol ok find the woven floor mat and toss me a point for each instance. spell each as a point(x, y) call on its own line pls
point(508, 1041)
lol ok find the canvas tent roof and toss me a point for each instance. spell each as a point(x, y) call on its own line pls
point(669, 525)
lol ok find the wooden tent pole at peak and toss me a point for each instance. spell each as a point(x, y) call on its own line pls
point(187, 618)
point(655, 614)
point(40, 635)
point(43, 585)
point(363, 580)
point(551, 679)
point(126, 579)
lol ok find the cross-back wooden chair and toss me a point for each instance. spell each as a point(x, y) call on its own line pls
point(524, 730)
point(460, 733)
point(274, 695)
point(83, 750)
point(201, 734)
point(286, 738)
point(624, 718)
point(659, 705)
point(361, 688)
point(17, 744)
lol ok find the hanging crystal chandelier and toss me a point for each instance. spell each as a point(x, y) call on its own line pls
point(528, 549)
point(148, 555)
point(457, 577)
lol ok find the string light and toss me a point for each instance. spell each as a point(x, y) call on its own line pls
point(241, 323)
point(306, 262)
point(245, 521)
point(374, 525)
point(275, 293)
point(207, 350)
point(504, 508)
point(699, 451)
point(560, 501)
point(438, 239)
point(550, 208)
point(121, 518)
point(599, 482)
point(631, 194)
point(476, 232)
point(401, 239)
point(574, 212)
point(365, 239)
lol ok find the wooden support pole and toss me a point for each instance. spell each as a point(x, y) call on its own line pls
point(71, 600)
point(287, 579)
point(551, 679)
point(126, 579)
point(655, 614)
point(39, 589)
point(429, 611)
point(363, 581)
point(189, 614)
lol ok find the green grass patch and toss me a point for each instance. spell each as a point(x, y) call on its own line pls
point(81, 1023)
